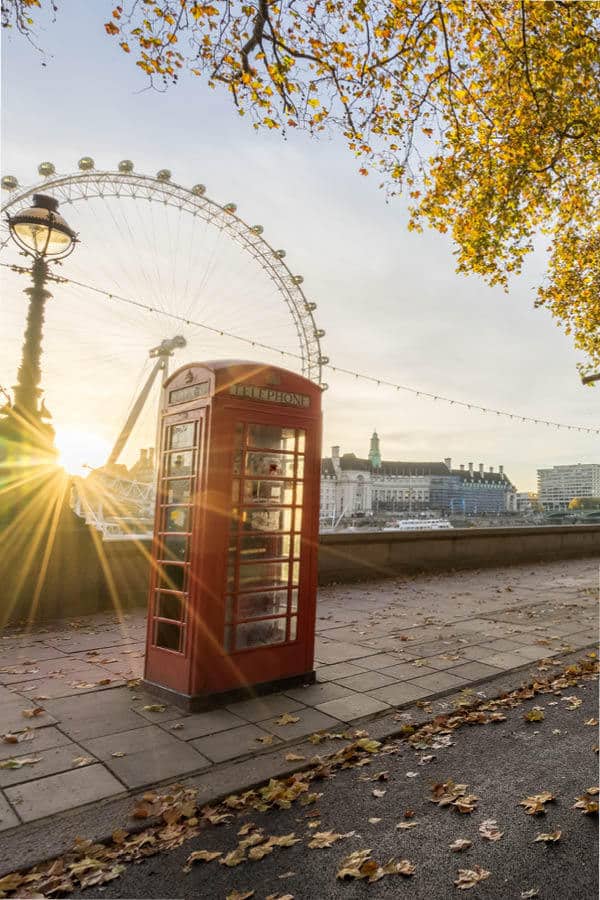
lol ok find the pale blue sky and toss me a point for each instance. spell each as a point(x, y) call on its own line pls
point(389, 300)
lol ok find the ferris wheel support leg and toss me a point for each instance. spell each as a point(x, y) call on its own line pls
point(134, 414)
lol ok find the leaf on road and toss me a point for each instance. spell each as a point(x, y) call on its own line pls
point(118, 754)
point(234, 858)
point(549, 837)
point(176, 726)
point(588, 806)
point(532, 892)
point(32, 713)
point(266, 739)
point(535, 805)
point(294, 757)
point(490, 831)
point(360, 865)
point(573, 702)
point(324, 839)
point(402, 826)
point(19, 762)
point(460, 844)
point(373, 820)
point(239, 895)
point(534, 715)
point(80, 761)
point(287, 719)
point(202, 856)
point(19, 738)
point(154, 707)
point(468, 878)
point(592, 722)
point(377, 792)
point(593, 790)
point(369, 745)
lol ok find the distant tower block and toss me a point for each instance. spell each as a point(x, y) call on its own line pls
point(374, 451)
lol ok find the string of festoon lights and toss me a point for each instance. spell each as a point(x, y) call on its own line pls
point(359, 376)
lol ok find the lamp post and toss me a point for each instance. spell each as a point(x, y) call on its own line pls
point(41, 233)
point(589, 379)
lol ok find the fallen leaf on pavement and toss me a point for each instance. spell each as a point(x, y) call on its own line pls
point(592, 722)
point(468, 878)
point(154, 707)
point(294, 757)
point(360, 865)
point(373, 820)
point(379, 793)
point(593, 791)
point(287, 719)
point(239, 895)
point(402, 826)
point(20, 762)
point(118, 753)
point(234, 858)
point(574, 702)
point(460, 844)
point(532, 892)
point(587, 805)
point(490, 831)
point(18, 738)
point(266, 739)
point(176, 726)
point(548, 837)
point(369, 745)
point(535, 805)
point(79, 761)
point(32, 713)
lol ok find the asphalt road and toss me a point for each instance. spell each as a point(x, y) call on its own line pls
point(502, 763)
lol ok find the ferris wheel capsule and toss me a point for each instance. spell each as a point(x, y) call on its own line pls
point(297, 279)
point(86, 164)
point(199, 190)
point(319, 333)
point(9, 183)
point(280, 254)
point(310, 306)
point(257, 229)
point(46, 169)
point(324, 360)
point(324, 386)
point(126, 166)
point(163, 175)
point(230, 207)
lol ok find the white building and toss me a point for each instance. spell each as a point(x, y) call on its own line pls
point(561, 484)
point(351, 485)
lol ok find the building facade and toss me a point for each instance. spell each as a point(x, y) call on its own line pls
point(559, 485)
point(351, 485)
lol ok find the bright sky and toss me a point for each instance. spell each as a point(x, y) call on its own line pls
point(390, 301)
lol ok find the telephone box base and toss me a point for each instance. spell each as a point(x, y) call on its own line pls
point(205, 702)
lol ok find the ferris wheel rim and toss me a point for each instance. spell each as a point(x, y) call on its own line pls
point(70, 189)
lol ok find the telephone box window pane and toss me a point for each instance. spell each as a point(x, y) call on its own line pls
point(297, 520)
point(182, 436)
point(258, 574)
point(299, 493)
point(264, 546)
point(227, 640)
point(174, 547)
point(264, 492)
point(301, 440)
point(260, 634)
point(270, 465)
point(293, 628)
point(267, 520)
point(228, 608)
point(297, 545)
point(168, 635)
point(294, 600)
point(170, 607)
point(300, 469)
point(172, 578)
point(295, 573)
point(179, 490)
point(235, 491)
point(177, 518)
point(181, 463)
point(271, 437)
point(264, 603)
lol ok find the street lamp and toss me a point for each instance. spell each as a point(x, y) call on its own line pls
point(589, 379)
point(41, 233)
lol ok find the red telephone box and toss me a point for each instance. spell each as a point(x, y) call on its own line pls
point(234, 576)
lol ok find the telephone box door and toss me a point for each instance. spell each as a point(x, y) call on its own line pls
point(180, 483)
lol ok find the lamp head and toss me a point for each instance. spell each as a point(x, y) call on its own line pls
point(40, 230)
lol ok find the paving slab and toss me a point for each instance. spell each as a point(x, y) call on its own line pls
point(378, 661)
point(400, 694)
point(312, 694)
point(28, 654)
point(70, 685)
point(353, 706)
point(505, 660)
point(41, 739)
point(8, 817)
point(334, 651)
point(48, 796)
point(310, 721)
point(473, 671)
point(200, 724)
point(439, 681)
point(151, 755)
point(404, 671)
point(367, 682)
point(95, 714)
point(338, 670)
point(57, 759)
point(234, 743)
point(258, 708)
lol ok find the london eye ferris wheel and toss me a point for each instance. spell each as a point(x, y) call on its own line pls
point(159, 265)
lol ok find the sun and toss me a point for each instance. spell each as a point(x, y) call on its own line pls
point(80, 449)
